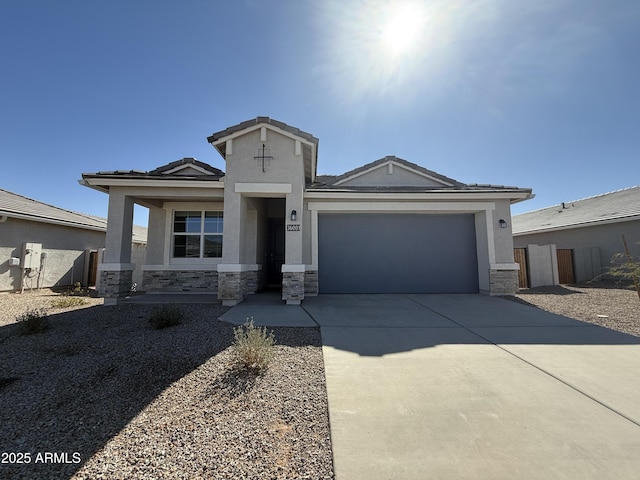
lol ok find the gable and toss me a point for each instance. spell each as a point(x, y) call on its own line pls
point(393, 172)
point(187, 167)
point(304, 145)
point(186, 170)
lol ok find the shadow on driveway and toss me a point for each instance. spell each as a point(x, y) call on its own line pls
point(409, 322)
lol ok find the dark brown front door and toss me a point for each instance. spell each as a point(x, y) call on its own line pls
point(275, 251)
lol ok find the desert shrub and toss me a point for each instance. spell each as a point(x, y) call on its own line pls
point(33, 321)
point(66, 302)
point(164, 316)
point(253, 346)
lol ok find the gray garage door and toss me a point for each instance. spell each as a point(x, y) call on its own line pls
point(397, 253)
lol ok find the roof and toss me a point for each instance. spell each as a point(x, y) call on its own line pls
point(389, 158)
point(17, 206)
point(190, 168)
point(440, 183)
point(214, 137)
point(619, 206)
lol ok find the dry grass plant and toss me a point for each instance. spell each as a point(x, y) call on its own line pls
point(253, 346)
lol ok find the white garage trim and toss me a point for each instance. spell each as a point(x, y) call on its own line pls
point(485, 258)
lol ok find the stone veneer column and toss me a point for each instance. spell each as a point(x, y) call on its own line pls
point(230, 288)
point(310, 283)
point(503, 279)
point(293, 284)
point(115, 282)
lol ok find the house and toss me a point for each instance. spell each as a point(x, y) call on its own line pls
point(586, 233)
point(390, 226)
point(45, 246)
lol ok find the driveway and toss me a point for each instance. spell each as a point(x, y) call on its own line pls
point(475, 387)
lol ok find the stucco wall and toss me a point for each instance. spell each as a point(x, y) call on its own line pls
point(242, 167)
point(64, 247)
point(607, 238)
point(503, 237)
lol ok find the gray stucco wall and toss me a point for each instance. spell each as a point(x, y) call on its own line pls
point(607, 238)
point(65, 248)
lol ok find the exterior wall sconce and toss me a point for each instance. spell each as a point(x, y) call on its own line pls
point(503, 223)
point(294, 215)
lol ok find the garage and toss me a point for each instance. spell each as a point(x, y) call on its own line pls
point(397, 253)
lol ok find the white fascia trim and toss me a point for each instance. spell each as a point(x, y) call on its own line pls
point(258, 127)
point(505, 266)
point(266, 188)
point(406, 207)
point(116, 267)
point(317, 208)
point(239, 267)
point(578, 225)
point(399, 165)
point(400, 196)
point(289, 268)
point(145, 182)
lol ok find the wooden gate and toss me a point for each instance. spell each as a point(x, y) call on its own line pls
point(93, 268)
point(565, 266)
point(520, 256)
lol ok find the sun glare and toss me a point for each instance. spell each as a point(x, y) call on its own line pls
point(402, 28)
point(382, 46)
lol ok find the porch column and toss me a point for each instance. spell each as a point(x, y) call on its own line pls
point(293, 269)
point(230, 289)
point(116, 270)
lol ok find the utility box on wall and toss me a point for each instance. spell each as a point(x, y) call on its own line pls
point(31, 255)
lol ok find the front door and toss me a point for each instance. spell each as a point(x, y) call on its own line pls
point(275, 251)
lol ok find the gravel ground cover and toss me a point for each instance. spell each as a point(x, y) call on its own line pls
point(101, 394)
point(605, 304)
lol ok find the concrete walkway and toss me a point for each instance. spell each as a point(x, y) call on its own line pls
point(474, 387)
point(268, 310)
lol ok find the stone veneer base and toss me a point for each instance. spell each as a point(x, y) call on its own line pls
point(311, 283)
point(503, 282)
point(293, 287)
point(115, 283)
point(205, 281)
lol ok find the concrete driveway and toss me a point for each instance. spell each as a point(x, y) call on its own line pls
point(474, 387)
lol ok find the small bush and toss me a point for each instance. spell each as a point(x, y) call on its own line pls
point(253, 346)
point(66, 302)
point(164, 316)
point(33, 321)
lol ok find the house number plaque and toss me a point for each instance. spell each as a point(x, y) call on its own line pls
point(293, 228)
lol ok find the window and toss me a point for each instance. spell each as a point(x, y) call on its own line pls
point(197, 234)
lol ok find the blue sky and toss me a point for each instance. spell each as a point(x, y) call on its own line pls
point(533, 93)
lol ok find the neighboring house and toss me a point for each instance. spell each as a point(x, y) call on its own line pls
point(586, 233)
point(60, 247)
point(388, 227)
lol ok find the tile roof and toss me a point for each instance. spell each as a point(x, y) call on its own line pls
point(18, 206)
point(389, 158)
point(619, 206)
point(332, 182)
point(257, 121)
point(212, 172)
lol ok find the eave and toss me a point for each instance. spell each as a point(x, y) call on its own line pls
point(596, 223)
point(452, 195)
